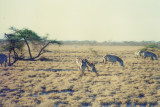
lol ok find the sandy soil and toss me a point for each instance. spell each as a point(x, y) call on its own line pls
point(57, 81)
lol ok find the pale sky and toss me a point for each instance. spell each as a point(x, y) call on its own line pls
point(99, 20)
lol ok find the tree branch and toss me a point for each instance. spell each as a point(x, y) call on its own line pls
point(40, 52)
point(29, 50)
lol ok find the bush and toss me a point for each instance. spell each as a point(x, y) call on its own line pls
point(151, 47)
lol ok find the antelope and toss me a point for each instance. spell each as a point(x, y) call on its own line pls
point(113, 59)
point(3, 59)
point(138, 54)
point(149, 54)
point(84, 63)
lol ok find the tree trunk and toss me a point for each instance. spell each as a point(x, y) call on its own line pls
point(15, 57)
point(9, 58)
point(29, 50)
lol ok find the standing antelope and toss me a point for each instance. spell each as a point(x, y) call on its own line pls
point(113, 59)
point(138, 54)
point(3, 59)
point(83, 63)
point(149, 54)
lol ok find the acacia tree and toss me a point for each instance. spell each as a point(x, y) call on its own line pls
point(23, 37)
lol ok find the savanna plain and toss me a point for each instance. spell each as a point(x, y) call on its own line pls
point(55, 81)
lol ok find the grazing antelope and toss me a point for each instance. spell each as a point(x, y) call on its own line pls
point(149, 54)
point(83, 63)
point(3, 59)
point(113, 59)
point(138, 54)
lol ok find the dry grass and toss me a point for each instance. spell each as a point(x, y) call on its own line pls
point(57, 81)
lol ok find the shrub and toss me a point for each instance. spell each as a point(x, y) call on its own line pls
point(151, 47)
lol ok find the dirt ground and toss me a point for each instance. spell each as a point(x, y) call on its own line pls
point(57, 82)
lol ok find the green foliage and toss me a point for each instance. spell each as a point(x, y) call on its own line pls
point(16, 41)
point(23, 37)
point(19, 36)
point(151, 47)
point(56, 42)
point(25, 34)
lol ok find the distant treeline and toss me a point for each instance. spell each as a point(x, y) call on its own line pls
point(111, 43)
